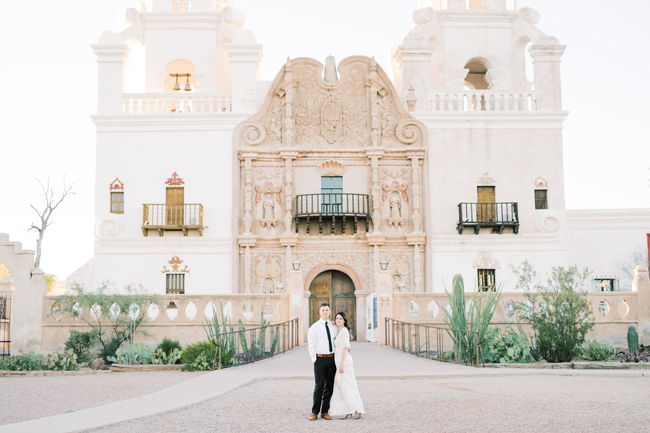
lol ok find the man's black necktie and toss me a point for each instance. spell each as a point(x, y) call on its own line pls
point(329, 336)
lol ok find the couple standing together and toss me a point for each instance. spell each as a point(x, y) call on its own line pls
point(336, 392)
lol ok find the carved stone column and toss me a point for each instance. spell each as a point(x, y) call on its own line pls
point(376, 189)
point(288, 157)
point(247, 270)
point(417, 193)
point(417, 264)
point(248, 192)
point(373, 83)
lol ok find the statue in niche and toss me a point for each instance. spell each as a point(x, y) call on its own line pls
point(269, 202)
point(274, 131)
point(267, 287)
point(395, 219)
point(269, 206)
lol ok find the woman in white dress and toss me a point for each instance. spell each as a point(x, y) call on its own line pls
point(345, 399)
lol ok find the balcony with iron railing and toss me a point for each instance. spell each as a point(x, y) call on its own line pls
point(332, 207)
point(497, 216)
point(176, 217)
point(483, 101)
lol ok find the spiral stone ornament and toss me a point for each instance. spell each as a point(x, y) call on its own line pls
point(409, 131)
point(253, 133)
point(529, 14)
point(109, 226)
point(423, 16)
point(233, 16)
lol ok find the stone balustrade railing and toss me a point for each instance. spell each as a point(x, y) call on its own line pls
point(193, 310)
point(178, 102)
point(607, 307)
point(483, 100)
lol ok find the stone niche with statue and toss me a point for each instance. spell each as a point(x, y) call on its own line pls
point(331, 176)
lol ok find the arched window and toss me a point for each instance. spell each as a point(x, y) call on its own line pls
point(475, 78)
point(184, 70)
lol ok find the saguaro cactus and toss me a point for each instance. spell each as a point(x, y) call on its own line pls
point(458, 309)
point(632, 339)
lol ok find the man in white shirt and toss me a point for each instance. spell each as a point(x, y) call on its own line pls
point(321, 351)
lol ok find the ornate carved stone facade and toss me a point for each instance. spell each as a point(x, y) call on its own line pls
point(354, 129)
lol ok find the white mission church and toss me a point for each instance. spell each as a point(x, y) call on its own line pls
point(210, 181)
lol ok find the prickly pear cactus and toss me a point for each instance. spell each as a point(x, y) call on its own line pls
point(632, 339)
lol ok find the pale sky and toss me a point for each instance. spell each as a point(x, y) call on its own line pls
point(50, 78)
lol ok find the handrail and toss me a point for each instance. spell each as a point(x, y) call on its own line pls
point(177, 102)
point(483, 100)
point(253, 344)
point(333, 204)
point(498, 215)
point(417, 340)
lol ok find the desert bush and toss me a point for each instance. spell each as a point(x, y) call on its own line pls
point(132, 354)
point(195, 355)
point(633, 357)
point(24, 362)
point(80, 343)
point(504, 345)
point(115, 317)
point(556, 310)
point(66, 361)
point(595, 351)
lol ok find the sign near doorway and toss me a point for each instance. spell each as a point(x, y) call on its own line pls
point(296, 299)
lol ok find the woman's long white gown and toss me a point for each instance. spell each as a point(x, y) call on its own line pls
point(346, 398)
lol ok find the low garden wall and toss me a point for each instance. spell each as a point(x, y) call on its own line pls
point(179, 317)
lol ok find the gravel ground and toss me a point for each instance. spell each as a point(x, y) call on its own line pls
point(509, 403)
point(25, 398)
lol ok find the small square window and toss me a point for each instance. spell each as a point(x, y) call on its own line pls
point(175, 284)
point(541, 201)
point(117, 202)
point(486, 280)
point(604, 284)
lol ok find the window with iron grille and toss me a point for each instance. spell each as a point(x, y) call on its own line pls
point(175, 284)
point(117, 202)
point(540, 199)
point(486, 280)
point(331, 187)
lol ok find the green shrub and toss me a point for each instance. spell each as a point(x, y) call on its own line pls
point(196, 354)
point(24, 362)
point(160, 357)
point(109, 349)
point(66, 361)
point(168, 346)
point(200, 364)
point(556, 311)
point(132, 354)
point(80, 343)
point(595, 351)
point(503, 345)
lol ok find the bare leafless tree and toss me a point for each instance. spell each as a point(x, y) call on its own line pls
point(51, 203)
point(625, 264)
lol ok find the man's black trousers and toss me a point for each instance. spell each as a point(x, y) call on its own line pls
point(324, 372)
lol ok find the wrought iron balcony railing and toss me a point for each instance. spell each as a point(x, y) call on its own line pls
point(177, 217)
point(333, 205)
point(495, 215)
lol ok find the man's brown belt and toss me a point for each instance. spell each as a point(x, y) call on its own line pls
point(325, 356)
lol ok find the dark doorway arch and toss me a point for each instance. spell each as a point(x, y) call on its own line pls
point(337, 289)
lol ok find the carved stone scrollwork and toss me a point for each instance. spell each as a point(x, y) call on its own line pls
point(131, 18)
point(548, 221)
point(423, 16)
point(253, 133)
point(409, 131)
point(234, 17)
point(529, 14)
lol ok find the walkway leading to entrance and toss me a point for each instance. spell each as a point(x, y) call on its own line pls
point(371, 362)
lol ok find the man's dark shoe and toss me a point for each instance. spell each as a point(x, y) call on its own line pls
point(325, 416)
point(313, 417)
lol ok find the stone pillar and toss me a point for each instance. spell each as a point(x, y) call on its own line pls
point(384, 303)
point(641, 285)
point(296, 308)
point(27, 318)
point(415, 67)
point(546, 63)
point(245, 57)
point(111, 52)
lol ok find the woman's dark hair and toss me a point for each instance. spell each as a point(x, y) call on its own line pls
point(345, 320)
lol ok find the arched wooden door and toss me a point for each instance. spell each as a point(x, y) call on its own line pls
point(337, 289)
